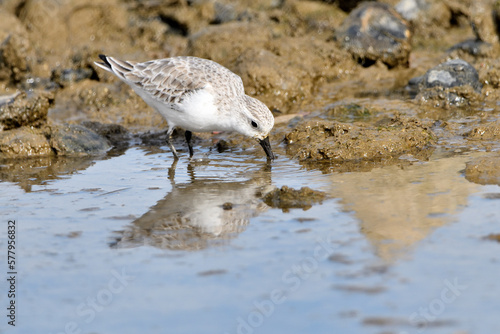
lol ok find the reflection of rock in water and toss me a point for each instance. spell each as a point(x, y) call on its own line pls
point(35, 171)
point(199, 214)
point(399, 207)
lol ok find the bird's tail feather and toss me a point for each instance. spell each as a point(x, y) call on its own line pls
point(116, 66)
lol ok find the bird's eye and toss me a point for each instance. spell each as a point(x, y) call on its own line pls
point(254, 124)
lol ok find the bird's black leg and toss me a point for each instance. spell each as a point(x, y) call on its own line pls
point(188, 134)
point(169, 142)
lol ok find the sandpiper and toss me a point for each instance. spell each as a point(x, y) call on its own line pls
point(196, 94)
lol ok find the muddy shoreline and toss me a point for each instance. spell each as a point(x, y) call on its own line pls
point(432, 82)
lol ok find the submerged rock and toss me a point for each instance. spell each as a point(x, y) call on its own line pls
point(341, 142)
point(454, 82)
point(25, 110)
point(483, 170)
point(493, 237)
point(375, 31)
point(488, 132)
point(287, 198)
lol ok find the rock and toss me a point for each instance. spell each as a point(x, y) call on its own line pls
point(473, 47)
point(186, 19)
point(18, 57)
point(224, 12)
point(454, 82)
point(432, 19)
point(489, 72)
point(483, 170)
point(76, 140)
point(13, 58)
point(25, 110)
point(62, 140)
point(288, 198)
point(346, 5)
point(57, 28)
point(318, 16)
point(272, 79)
point(116, 134)
point(452, 73)
point(68, 76)
point(219, 44)
point(411, 9)
point(375, 31)
point(90, 100)
point(485, 132)
point(10, 25)
point(429, 19)
point(493, 237)
point(482, 17)
point(341, 142)
point(23, 142)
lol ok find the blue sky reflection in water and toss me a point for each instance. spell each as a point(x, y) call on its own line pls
point(114, 245)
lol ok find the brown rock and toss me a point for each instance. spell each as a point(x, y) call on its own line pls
point(224, 43)
point(23, 142)
point(489, 132)
point(341, 142)
point(25, 110)
point(14, 61)
point(483, 170)
point(287, 198)
point(58, 27)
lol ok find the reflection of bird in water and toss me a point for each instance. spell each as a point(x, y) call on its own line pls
point(198, 214)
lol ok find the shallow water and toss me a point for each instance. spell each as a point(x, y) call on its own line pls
point(128, 244)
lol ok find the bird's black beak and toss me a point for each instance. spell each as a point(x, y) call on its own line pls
point(267, 148)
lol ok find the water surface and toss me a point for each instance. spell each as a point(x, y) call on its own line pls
point(129, 243)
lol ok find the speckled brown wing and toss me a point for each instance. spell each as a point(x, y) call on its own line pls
point(171, 80)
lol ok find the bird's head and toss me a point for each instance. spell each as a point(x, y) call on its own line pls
point(257, 122)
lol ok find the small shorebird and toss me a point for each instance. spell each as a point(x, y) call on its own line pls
point(196, 94)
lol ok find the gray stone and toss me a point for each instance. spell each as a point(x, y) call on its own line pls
point(375, 31)
point(453, 73)
point(77, 140)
